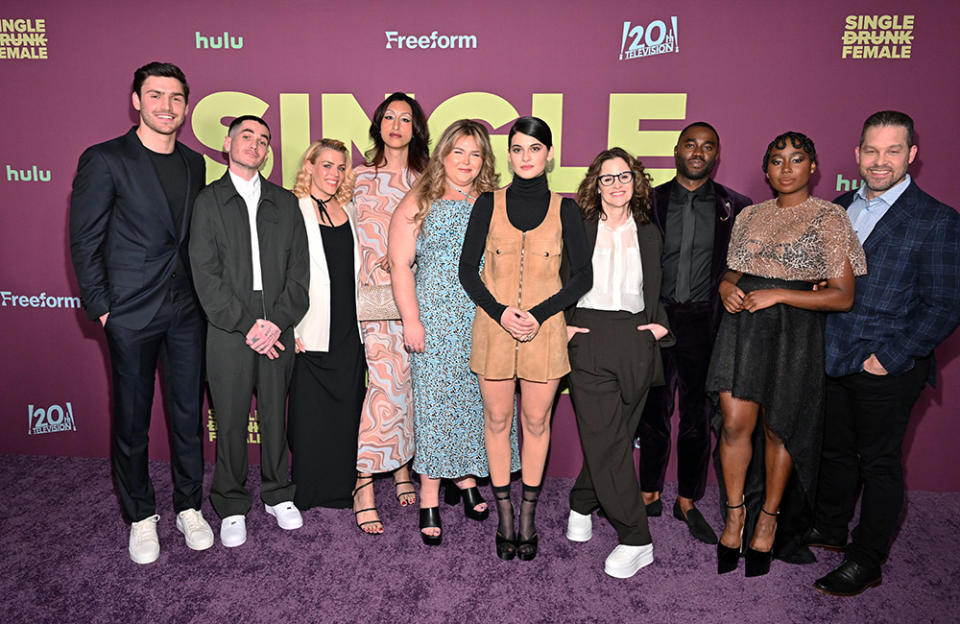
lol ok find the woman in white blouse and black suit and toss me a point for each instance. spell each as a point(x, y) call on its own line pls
point(327, 390)
point(615, 334)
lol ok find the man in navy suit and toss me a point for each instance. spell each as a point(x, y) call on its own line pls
point(130, 212)
point(880, 353)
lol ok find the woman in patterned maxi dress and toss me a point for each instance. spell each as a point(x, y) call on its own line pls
point(428, 227)
point(385, 444)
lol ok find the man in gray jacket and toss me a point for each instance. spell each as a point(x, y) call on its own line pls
point(248, 252)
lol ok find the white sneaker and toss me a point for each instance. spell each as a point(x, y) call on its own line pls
point(287, 515)
point(579, 527)
point(233, 531)
point(625, 560)
point(144, 544)
point(195, 529)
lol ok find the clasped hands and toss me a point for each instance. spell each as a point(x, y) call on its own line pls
point(735, 300)
point(520, 324)
point(264, 338)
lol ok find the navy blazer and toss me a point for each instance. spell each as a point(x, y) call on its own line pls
point(909, 300)
point(729, 204)
point(123, 240)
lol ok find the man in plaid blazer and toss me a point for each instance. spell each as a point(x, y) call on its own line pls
point(880, 353)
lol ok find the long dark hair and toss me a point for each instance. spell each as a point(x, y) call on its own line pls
point(588, 195)
point(418, 152)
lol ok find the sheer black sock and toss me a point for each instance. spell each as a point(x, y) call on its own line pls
point(501, 495)
point(528, 509)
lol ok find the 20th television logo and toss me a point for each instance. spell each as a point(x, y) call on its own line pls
point(51, 419)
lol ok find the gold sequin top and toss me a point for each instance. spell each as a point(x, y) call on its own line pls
point(809, 241)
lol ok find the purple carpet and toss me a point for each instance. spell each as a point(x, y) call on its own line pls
point(64, 559)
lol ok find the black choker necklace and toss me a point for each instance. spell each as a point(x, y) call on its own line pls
point(322, 209)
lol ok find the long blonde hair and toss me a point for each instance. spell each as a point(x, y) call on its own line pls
point(305, 176)
point(433, 183)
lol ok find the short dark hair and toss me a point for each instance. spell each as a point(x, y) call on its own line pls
point(797, 139)
point(532, 126)
point(700, 124)
point(418, 152)
point(242, 118)
point(164, 70)
point(889, 118)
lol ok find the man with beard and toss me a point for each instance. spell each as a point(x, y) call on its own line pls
point(248, 249)
point(695, 216)
point(880, 353)
point(129, 214)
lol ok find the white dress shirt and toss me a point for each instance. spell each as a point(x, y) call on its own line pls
point(250, 192)
point(617, 271)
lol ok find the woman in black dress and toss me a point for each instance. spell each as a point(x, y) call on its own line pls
point(767, 367)
point(327, 390)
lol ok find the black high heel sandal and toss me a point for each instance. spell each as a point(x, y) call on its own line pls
point(430, 518)
point(527, 547)
point(506, 544)
point(757, 562)
point(452, 495)
point(727, 558)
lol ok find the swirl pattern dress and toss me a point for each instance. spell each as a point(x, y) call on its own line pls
point(448, 408)
point(386, 422)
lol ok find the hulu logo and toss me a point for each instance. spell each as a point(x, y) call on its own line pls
point(846, 185)
point(226, 42)
point(27, 175)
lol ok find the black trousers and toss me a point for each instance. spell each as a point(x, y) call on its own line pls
point(611, 368)
point(175, 337)
point(234, 372)
point(866, 420)
point(685, 369)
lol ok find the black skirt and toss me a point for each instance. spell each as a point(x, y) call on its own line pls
point(775, 357)
point(326, 395)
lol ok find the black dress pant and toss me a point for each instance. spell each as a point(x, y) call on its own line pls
point(685, 369)
point(866, 420)
point(175, 337)
point(611, 369)
point(234, 372)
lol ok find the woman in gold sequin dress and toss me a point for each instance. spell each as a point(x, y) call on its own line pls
point(767, 369)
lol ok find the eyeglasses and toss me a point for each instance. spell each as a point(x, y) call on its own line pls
point(625, 177)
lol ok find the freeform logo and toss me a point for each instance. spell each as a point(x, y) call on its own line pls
point(23, 39)
point(226, 42)
point(651, 40)
point(43, 300)
point(877, 36)
point(51, 419)
point(27, 175)
point(429, 42)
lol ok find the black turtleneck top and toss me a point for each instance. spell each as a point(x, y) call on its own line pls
point(527, 204)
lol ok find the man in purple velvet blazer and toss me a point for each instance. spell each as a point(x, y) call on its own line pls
point(695, 216)
point(880, 353)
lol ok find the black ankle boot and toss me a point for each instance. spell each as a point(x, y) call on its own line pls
point(527, 541)
point(506, 538)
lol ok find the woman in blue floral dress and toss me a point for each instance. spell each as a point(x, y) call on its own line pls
point(427, 228)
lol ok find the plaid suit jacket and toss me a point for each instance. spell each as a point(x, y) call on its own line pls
point(909, 300)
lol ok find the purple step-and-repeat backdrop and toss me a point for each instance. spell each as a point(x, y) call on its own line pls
point(601, 73)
